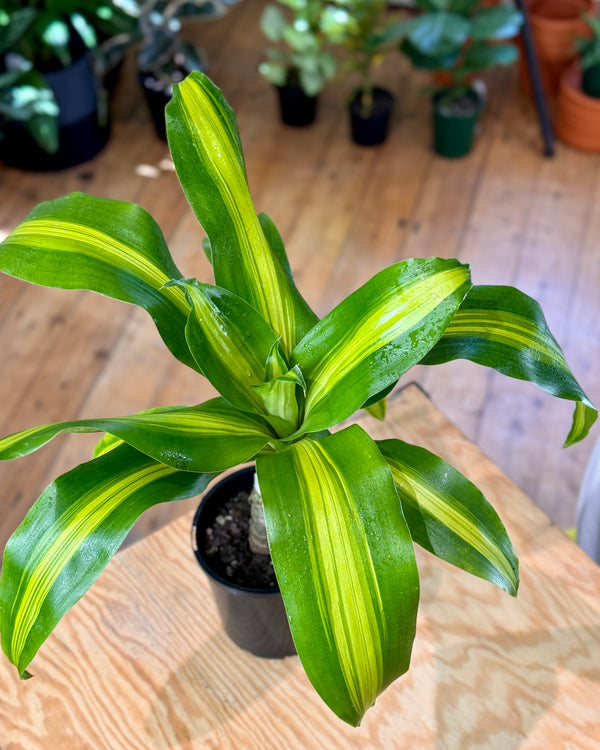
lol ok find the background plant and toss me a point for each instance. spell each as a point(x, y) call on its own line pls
point(365, 30)
point(300, 57)
point(156, 28)
point(24, 95)
point(588, 48)
point(342, 511)
point(461, 37)
point(39, 36)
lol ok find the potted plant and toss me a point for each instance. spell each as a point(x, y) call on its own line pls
point(24, 96)
point(341, 510)
point(164, 56)
point(588, 49)
point(459, 40)
point(365, 30)
point(555, 24)
point(53, 114)
point(300, 65)
point(229, 541)
point(577, 121)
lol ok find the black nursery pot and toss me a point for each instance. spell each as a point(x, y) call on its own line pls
point(157, 97)
point(83, 132)
point(372, 129)
point(254, 618)
point(454, 123)
point(296, 108)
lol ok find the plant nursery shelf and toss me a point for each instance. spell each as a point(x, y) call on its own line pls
point(142, 662)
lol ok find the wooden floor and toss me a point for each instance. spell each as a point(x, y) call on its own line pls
point(345, 212)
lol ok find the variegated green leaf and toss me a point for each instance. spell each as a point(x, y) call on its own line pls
point(448, 515)
point(69, 536)
point(275, 242)
point(375, 335)
point(345, 564)
point(500, 327)
point(210, 437)
point(111, 247)
point(206, 150)
point(378, 409)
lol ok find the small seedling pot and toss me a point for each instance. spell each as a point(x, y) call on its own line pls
point(295, 107)
point(254, 618)
point(157, 96)
point(454, 123)
point(371, 129)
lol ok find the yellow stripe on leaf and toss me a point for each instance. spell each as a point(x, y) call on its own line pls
point(345, 565)
point(206, 150)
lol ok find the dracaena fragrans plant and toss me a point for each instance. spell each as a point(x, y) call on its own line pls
point(342, 510)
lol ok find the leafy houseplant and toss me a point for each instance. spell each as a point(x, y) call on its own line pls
point(365, 31)
point(48, 84)
point(589, 58)
point(164, 57)
point(300, 65)
point(459, 38)
point(340, 530)
point(24, 95)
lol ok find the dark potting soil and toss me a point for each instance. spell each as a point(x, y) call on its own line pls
point(228, 550)
point(462, 106)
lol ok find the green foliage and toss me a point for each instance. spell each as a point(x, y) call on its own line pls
point(461, 37)
point(37, 37)
point(163, 53)
point(342, 511)
point(300, 57)
point(365, 30)
point(589, 47)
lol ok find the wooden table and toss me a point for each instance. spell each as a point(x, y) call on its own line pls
point(141, 662)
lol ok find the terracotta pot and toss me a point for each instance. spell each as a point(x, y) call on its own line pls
point(577, 114)
point(555, 24)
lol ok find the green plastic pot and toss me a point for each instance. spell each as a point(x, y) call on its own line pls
point(454, 122)
point(590, 81)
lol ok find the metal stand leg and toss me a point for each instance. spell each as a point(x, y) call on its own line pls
point(536, 82)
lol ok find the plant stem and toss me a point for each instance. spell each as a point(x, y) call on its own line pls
point(257, 536)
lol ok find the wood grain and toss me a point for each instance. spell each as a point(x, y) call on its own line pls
point(344, 212)
point(141, 662)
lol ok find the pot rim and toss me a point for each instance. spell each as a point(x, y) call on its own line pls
point(550, 23)
point(470, 91)
point(570, 88)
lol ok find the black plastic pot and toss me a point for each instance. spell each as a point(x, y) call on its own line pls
point(454, 123)
point(254, 618)
point(157, 95)
point(370, 129)
point(590, 81)
point(83, 131)
point(295, 107)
